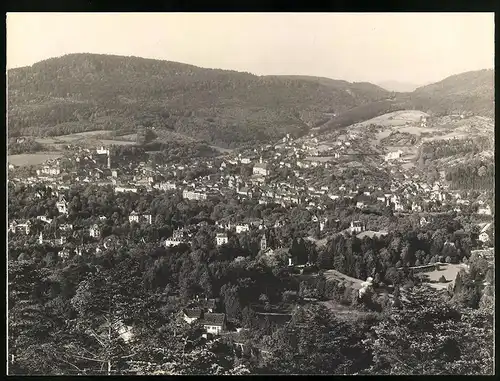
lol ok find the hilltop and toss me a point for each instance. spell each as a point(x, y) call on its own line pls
point(472, 91)
point(87, 92)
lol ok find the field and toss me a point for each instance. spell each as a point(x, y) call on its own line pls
point(338, 276)
point(32, 158)
point(448, 270)
point(371, 234)
point(393, 119)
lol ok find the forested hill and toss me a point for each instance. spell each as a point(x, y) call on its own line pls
point(473, 91)
point(82, 92)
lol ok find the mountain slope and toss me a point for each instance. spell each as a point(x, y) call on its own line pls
point(82, 92)
point(472, 91)
point(399, 87)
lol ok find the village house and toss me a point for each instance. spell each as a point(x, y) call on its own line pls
point(136, 217)
point(44, 219)
point(49, 170)
point(94, 231)
point(242, 228)
point(193, 195)
point(356, 227)
point(15, 227)
point(176, 239)
point(119, 189)
point(214, 323)
point(66, 227)
point(485, 211)
point(260, 168)
point(62, 206)
point(221, 239)
point(484, 237)
point(393, 155)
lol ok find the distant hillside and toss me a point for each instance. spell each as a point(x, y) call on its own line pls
point(84, 92)
point(473, 91)
point(398, 87)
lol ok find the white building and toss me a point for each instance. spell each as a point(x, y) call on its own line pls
point(242, 228)
point(260, 169)
point(221, 239)
point(133, 217)
point(167, 186)
point(356, 227)
point(393, 155)
point(485, 211)
point(192, 195)
point(62, 207)
point(94, 231)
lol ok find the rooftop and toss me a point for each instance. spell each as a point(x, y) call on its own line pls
point(213, 319)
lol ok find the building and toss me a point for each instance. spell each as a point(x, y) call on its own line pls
point(167, 186)
point(193, 195)
point(176, 239)
point(260, 169)
point(133, 217)
point(62, 207)
point(214, 323)
point(263, 243)
point(48, 170)
point(221, 239)
point(393, 155)
point(242, 228)
point(95, 231)
point(125, 190)
point(485, 211)
point(66, 227)
point(136, 217)
point(356, 227)
point(15, 227)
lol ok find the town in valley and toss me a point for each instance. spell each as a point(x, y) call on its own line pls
point(160, 229)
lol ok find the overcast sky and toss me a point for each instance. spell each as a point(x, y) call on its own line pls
point(407, 47)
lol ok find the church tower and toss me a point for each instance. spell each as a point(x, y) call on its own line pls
point(263, 243)
point(109, 160)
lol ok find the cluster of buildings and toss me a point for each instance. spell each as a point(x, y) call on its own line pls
point(283, 174)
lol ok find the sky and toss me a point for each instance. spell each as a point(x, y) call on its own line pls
point(418, 48)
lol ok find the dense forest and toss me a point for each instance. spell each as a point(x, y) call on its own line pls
point(472, 175)
point(90, 92)
point(84, 92)
point(472, 91)
point(63, 311)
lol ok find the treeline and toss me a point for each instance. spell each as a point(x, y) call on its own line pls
point(24, 145)
point(478, 175)
point(472, 91)
point(444, 148)
point(214, 105)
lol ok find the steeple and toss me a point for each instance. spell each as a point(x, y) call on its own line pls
point(263, 242)
point(40, 238)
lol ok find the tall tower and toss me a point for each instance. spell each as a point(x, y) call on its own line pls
point(263, 242)
point(40, 238)
point(109, 160)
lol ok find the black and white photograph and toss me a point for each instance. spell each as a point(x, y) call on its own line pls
point(250, 194)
